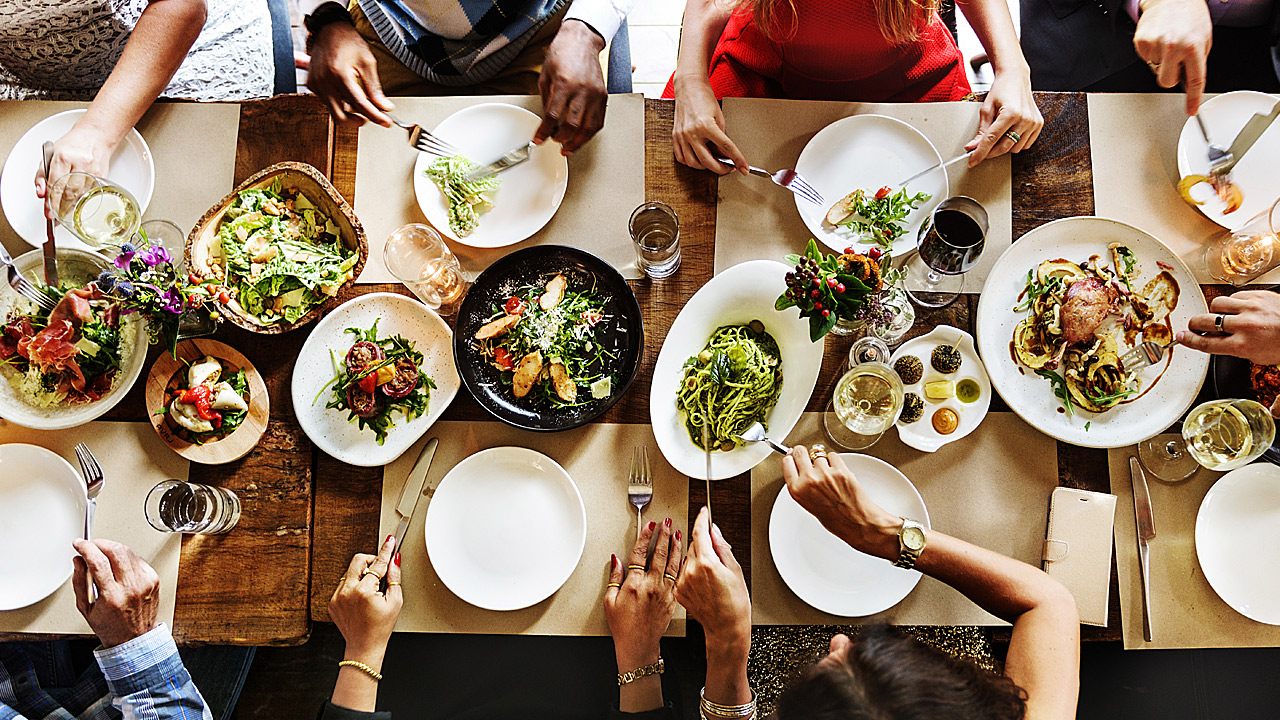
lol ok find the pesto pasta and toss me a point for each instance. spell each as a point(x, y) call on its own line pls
point(735, 381)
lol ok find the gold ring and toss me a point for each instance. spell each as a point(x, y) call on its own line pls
point(392, 583)
point(1155, 67)
point(640, 568)
point(817, 451)
point(1218, 320)
point(613, 585)
point(369, 571)
point(1013, 135)
point(670, 577)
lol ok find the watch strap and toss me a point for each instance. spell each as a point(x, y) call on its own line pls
point(907, 556)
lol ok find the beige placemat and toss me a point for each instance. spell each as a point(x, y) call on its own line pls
point(606, 182)
point(991, 489)
point(755, 220)
point(133, 459)
point(1133, 142)
point(1185, 611)
point(597, 457)
point(193, 146)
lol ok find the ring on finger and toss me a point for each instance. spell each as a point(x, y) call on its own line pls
point(670, 577)
point(369, 571)
point(1218, 321)
point(614, 585)
point(637, 568)
point(817, 451)
point(1155, 67)
point(1013, 135)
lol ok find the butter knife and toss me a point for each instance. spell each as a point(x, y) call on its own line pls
point(509, 159)
point(1252, 130)
point(50, 247)
point(1146, 531)
point(412, 491)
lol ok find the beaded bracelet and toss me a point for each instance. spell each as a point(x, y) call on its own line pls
point(377, 676)
point(708, 710)
point(633, 675)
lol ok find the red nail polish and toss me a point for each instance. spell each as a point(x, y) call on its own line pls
point(389, 537)
point(397, 559)
point(652, 525)
point(667, 522)
point(613, 562)
point(677, 536)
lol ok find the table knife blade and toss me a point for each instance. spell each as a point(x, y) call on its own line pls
point(412, 491)
point(1146, 528)
point(706, 449)
point(50, 246)
point(1252, 130)
point(509, 159)
point(933, 167)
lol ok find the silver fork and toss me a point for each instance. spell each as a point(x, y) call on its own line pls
point(1218, 155)
point(22, 285)
point(788, 179)
point(1144, 355)
point(93, 480)
point(756, 433)
point(423, 141)
point(639, 483)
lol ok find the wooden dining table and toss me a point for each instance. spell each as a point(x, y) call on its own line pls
point(305, 514)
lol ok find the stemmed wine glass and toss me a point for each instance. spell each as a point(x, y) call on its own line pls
point(949, 245)
point(867, 399)
point(95, 210)
point(1220, 435)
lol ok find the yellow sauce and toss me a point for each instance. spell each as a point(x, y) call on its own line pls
point(945, 421)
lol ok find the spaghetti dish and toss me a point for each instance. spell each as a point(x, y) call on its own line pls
point(1084, 317)
point(734, 382)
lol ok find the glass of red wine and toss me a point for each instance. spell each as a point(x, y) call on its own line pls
point(949, 245)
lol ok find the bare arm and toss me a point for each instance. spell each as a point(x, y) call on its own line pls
point(698, 118)
point(1009, 106)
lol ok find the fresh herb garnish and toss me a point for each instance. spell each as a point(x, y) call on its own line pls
point(1060, 390)
point(879, 218)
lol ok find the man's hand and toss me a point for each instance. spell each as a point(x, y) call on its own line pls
point(572, 88)
point(1250, 327)
point(1174, 37)
point(128, 591)
point(344, 74)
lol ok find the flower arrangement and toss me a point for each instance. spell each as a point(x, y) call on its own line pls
point(828, 288)
point(145, 280)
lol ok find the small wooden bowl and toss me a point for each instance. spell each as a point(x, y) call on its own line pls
point(165, 376)
point(320, 191)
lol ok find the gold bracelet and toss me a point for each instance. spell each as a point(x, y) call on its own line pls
point(633, 675)
point(708, 710)
point(377, 676)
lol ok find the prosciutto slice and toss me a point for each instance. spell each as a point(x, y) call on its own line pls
point(12, 334)
point(74, 308)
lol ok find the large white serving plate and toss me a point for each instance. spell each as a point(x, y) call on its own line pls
point(132, 168)
point(1031, 396)
point(869, 152)
point(530, 192)
point(42, 509)
point(822, 570)
point(1224, 116)
point(506, 528)
point(1242, 510)
point(396, 315)
point(743, 293)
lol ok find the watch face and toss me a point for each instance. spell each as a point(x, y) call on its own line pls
point(913, 538)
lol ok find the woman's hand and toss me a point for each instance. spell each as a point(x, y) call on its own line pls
point(1009, 106)
point(82, 149)
point(699, 121)
point(712, 587)
point(639, 609)
point(364, 614)
point(1173, 37)
point(827, 489)
point(1250, 327)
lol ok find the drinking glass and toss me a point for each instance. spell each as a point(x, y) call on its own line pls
point(1220, 435)
point(417, 256)
point(95, 210)
point(866, 403)
point(1241, 256)
point(949, 245)
point(655, 230)
point(167, 234)
point(184, 507)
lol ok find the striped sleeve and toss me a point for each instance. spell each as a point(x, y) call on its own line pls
point(147, 680)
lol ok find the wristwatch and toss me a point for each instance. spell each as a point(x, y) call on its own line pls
point(325, 14)
point(911, 541)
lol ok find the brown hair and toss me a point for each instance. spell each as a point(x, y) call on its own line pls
point(888, 674)
point(900, 21)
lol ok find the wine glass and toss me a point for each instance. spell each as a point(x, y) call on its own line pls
point(1243, 255)
point(417, 256)
point(1220, 435)
point(867, 399)
point(95, 210)
point(167, 234)
point(949, 245)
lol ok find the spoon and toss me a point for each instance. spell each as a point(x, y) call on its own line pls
point(755, 433)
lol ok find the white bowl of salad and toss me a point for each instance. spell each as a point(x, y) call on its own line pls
point(69, 366)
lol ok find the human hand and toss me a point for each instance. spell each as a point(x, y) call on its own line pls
point(82, 149)
point(365, 615)
point(1173, 37)
point(713, 590)
point(572, 88)
point(640, 609)
point(344, 74)
point(128, 591)
point(1009, 106)
point(1250, 327)
point(699, 121)
point(828, 490)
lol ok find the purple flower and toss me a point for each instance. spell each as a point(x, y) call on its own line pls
point(172, 300)
point(153, 256)
point(125, 257)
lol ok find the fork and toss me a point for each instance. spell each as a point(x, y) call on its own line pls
point(1218, 155)
point(788, 179)
point(22, 285)
point(639, 484)
point(93, 480)
point(1144, 355)
point(423, 141)
point(756, 433)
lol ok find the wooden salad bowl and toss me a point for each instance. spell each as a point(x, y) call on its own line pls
point(203, 246)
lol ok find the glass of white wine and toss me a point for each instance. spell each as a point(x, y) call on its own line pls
point(1220, 435)
point(866, 403)
point(95, 210)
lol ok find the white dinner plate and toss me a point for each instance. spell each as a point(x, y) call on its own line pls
point(1031, 396)
point(396, 315)
point(530, 192)
point(506, 528)
point(822, 570)
point(131, 168)
point(1255, 175)
point(869, 152)
point(42, 508)
point(920, 434)
point(1238, 540)
point(743, 293)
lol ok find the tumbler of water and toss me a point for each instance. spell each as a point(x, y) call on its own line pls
point(418, 257)
point(184, 507)
point(655, 230)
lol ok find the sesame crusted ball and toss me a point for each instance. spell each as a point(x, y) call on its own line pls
point(945, 358)
point(912, 407)
point(910, 369)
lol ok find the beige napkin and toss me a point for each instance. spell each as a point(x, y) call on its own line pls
point(991, 489)
point(1134, 145)
point(606, 180)
point(756, 220)
point(1185, 610)
point(597, 457)
point(133, 459)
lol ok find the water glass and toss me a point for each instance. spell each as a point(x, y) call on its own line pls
point(949, 245)
point(418, 257)
point(655, 230)
point(1240, 256)
point(95, 210)
point(184, 507)
point(866, 403)
point(167, 234)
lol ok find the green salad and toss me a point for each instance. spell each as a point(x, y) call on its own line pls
point(878, 217)
point(467, 199)
point(377, 379)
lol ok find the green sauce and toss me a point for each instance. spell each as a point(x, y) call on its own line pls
point(968, 390)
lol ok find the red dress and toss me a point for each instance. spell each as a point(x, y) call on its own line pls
point(836, 53)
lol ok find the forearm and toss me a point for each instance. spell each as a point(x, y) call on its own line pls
point(993, 25)
point(146, 679)
point(727, 669)
point(704, 21)
point(643, 693)
point(355, 688)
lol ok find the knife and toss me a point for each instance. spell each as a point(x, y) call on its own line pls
point(933, 167)
point(412, 491)
point(509, 159)
point(50, 247)
point(706, 448)
point(1146, 531)
point(1252, 130)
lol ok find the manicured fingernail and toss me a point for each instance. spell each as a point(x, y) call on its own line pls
point(389, 539)
point(667, 522)
point(677, 536)
point(397, 559)
point(613, 561)
point(653, 525)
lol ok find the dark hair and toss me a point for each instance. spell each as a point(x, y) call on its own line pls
point(889, 675)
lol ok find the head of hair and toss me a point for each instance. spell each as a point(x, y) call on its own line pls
point(888, 675)
point(900, 21)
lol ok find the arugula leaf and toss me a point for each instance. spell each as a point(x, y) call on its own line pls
point(1059, 389)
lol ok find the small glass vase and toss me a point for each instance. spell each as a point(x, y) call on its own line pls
point(901, 312)
point(844, 328)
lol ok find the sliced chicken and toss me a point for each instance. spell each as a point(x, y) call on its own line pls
point(566, 388)
point(554, 294)
point(527, 373)
point(497, 327)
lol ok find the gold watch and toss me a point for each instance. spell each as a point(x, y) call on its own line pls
point(911, 542)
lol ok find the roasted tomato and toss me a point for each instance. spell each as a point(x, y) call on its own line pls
point(362, 355)
point(502, 358)
point(405, 380)
point(591, 317)
point(514, 306)
point(364, 404)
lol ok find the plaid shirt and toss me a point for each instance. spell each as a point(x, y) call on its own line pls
point(141, 679)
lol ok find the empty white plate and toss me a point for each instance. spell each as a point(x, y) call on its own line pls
point(506, 528)
point(822, 570)
point(42, 507)
point(1238, 540)
point(131, 168)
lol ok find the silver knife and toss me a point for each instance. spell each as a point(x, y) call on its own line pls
point(933, 167)
point(1146, 531)
point(412, 491)
point(706, 448)
point(50, 247)
point(509, 159)
point(1252, 130)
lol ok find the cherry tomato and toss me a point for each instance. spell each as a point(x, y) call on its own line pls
point(224, 297)
point(874, 253)
point(848, 250)
point(882, 193)
point(514, 306)
point(369, 382)
point(503, 359)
